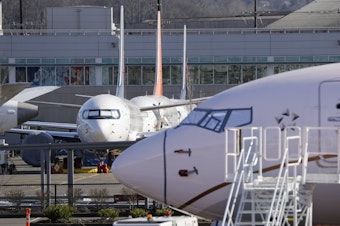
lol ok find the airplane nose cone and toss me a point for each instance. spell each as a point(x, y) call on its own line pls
point(141, 167)
point(26, 112)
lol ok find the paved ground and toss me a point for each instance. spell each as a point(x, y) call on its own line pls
point(13, 221)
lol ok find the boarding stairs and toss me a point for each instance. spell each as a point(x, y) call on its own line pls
point(284, 196)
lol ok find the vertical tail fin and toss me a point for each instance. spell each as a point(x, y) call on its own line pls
point(120, 81)
point(158, 88)
point(184, 66)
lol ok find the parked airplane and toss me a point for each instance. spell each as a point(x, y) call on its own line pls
point(13, 109)
point(185, 166)
point(112, 118)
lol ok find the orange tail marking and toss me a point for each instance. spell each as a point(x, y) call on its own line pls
point(158, 89)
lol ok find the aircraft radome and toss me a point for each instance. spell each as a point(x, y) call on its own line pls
point(308, 97)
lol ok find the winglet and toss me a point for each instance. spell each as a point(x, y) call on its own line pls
point(158, 88)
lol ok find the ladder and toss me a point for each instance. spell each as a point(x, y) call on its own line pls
point(255, 199)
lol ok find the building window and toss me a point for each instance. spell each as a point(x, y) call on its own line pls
point(176, 74)
point(20, 74)
point(221, 74)
point(107, 75)
point(4, 77)
point(62, 76)
point(47, 76)
point(148, 75)
point(134, 74)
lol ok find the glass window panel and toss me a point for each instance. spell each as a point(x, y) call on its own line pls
point(90, 61)
point(107, 75)
point(33, 61)
point(62, 76)
point(261, 71)
point(166, 75)
point(4, 75)
point(234, 59)
point(148, 75)
point(239, 117)
point(321, 58)
point(134, 74)
point(234, 74)
point(48, 61)
point(20, 74)
point(249, 73)
point(193, 60)
point(33, 75)
point(63, 61)
point(249, 59)
point(221, 74)
point(77, 61)
point(207, 74)
point(89, 76)
point(292, 59)
point(107, 60)
point(279, 68)
point(176, 74)
point(279, 59)
point(334, 58)
point(77, 75)
point(20, 61)
point(48, 76)
point(194, 74)
point(290, 67)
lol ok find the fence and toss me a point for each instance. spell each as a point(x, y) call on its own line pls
point(89, 196)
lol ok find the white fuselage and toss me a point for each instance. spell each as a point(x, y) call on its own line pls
point(304, 98)
point(109, 118)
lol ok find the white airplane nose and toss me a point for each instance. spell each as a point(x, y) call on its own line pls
point(141, 167)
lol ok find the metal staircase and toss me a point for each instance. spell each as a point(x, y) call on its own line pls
point(256, 198)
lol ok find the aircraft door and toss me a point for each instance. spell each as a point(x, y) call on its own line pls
point(330, 104)
point(329, 121)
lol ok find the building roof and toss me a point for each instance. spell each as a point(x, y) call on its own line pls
point(319, 13)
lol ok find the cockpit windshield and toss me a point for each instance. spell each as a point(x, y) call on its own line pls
point(101, 114)
point(217, 120)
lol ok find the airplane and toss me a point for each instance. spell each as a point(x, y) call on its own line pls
point(110, 118)
point(185, 166)
point(13, 107)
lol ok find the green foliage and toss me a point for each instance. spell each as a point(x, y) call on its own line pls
point(138, 212)
point(59, 213)
point(164, 212)
point(108, 213)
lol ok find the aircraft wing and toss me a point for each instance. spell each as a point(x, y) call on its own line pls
point(56, 104)
point(33, 92)
point(57, 125)
point(60, 135)
point(8, 91)
point(174, 104)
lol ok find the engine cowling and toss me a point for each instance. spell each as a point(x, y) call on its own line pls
point(32, 157)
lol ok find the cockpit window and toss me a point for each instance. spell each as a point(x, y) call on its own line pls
point(217, 120)
point(101, 114)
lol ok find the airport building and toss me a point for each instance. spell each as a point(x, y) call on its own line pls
point(79, 52)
